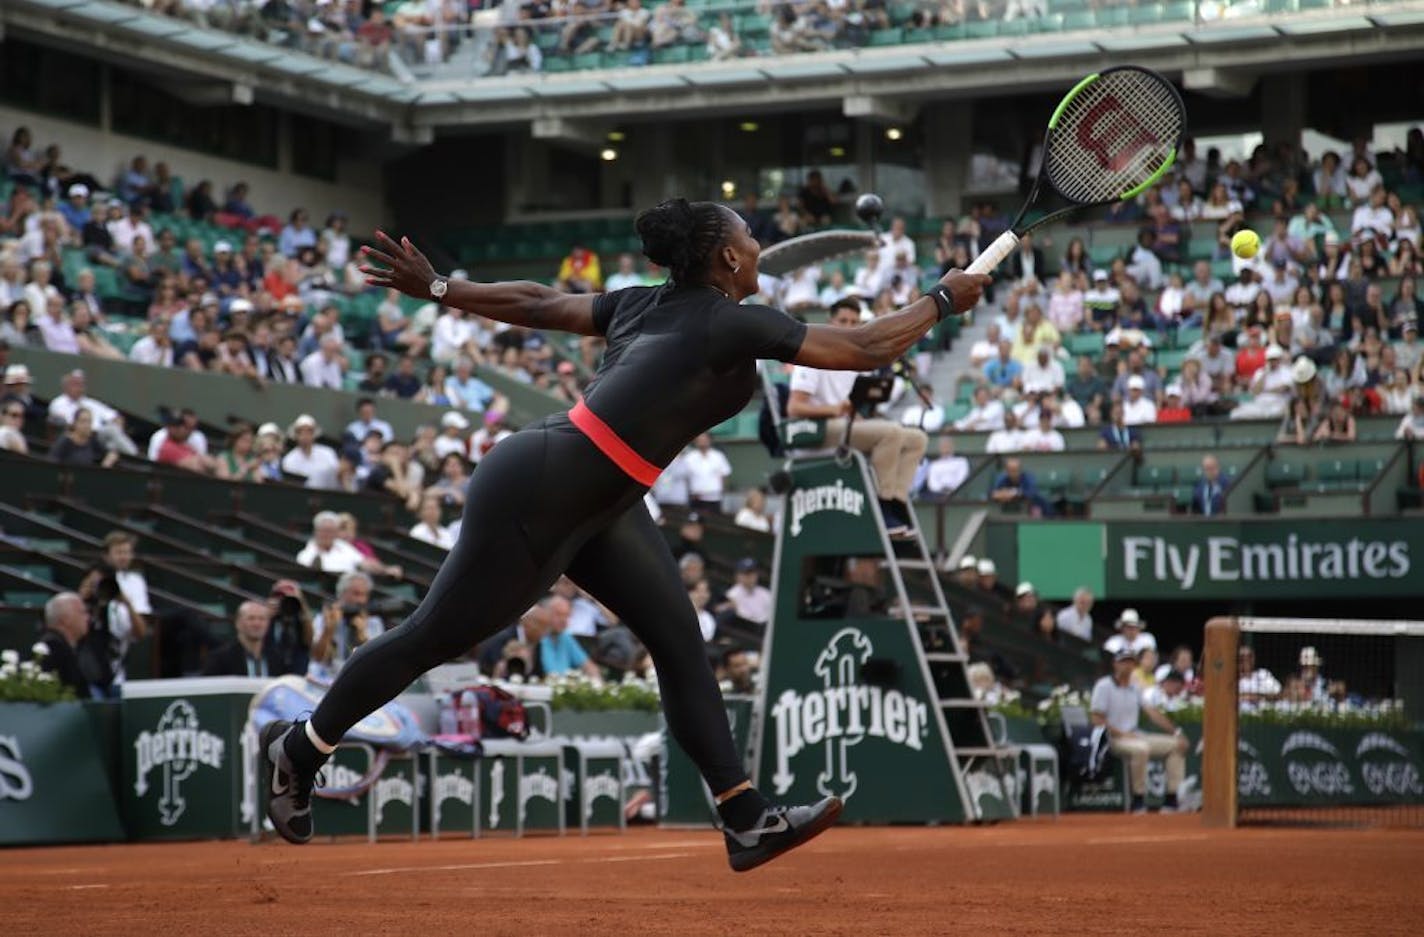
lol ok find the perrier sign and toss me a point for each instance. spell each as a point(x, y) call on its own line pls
point(824, 729)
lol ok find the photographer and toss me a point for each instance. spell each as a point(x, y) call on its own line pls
point(110, 612)
point(289, 639)
point(514, 651)
point(344, 625)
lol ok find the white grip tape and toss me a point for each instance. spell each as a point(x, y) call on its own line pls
point(994, 254)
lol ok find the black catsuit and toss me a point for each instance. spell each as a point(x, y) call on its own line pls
point(547, 501)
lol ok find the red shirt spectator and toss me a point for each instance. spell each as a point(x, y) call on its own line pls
point(1251, 357)
point(172, 452)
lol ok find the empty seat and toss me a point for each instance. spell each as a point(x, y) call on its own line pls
point(1281, 474)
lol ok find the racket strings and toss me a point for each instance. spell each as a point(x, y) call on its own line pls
point(1113, 136)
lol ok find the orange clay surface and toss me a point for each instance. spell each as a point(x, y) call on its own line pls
point(1081, 874)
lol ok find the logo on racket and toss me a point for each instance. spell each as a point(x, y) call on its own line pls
point(1112, 134)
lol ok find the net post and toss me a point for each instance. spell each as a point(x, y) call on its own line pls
point(1219, 723)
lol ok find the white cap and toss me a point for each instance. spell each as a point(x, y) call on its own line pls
point(1024, 588)
point(1310, 657)
point(1100, 274)
point(240, 305)
point(222, 247)
point(1136, 382)
point(1274, 352)
point(1174, 390)
point(456, 419)
point(302, 422)
point(79, 190)
point(269, 429)
point(969, 562)
point(1129, 616)
point(1303, 371)
point(17, 374)
point(986, 567)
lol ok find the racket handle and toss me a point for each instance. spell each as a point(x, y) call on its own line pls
point(994, 254)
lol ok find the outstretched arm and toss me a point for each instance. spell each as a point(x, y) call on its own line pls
point(883, 340)
point(531, 305)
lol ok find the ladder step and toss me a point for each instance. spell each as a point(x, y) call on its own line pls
point(940, 657)
point(915, 564)
point(964, 704)
point(983, 752)
point(929, 611)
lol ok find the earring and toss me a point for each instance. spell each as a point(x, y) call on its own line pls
point(737, 268)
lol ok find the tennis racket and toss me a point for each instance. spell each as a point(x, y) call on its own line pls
point(808, 249)
point(1114, 135)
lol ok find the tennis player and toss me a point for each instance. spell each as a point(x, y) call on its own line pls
point(566, 493)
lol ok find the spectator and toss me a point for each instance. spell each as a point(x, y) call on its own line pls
point(1253, 684)
point(1117, 705)
point(817, 201)
point(558, 650)
point(699, 594)
point(1003, 371)
point(1065, 305)
point(397, 474)
point(708, 471)
point(467, 391)
point(12, 427)
point(451, 440)
point(515, 650)
point(156, 348)
point(946, 471)
point(724, 44)
point(1209, 493)
point(1411, 426)
point(738, 673)
point(1007, 438)
point(80, 446)
point(454, 334)
point(297, 234)
point(1101, 302)
point(325, 367)
point(66, 621)
point(579, 271)
point(1015, 486)
point(1117, 435)
point(1043, 438)
point(176, 450)
point(429, 529)
point(404, 383)
point(1138, 409)
point(283, 366)
point(1174, 410)
point(1315, 685)
point(245, 655)
point(1130, 635)
point(454, 479)
point(1028, 607)
point(1338, 427)
point(488, 436)
point(55, 329)
point(366, 422)
point(18, 389)
point(344, 625)
point(1169, 692)
point(747, 600)
point(1272, 385)
point(752, 514)
point(109, 611)
point(309, 460)
point(985, 415)
point(241, 461)
point(1077, 618)
point(326, 551)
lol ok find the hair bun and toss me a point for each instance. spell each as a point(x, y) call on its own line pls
point(666, 230)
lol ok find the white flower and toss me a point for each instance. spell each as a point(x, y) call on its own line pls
point(40, 649)
point(9, 657)
point(29, 668)
point(516, 678)
point(7, 671)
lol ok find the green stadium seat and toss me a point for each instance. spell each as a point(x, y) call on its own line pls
point(1055, 482)
point(1114, 16)
point(919, 35)
point(1176, 12)
point(983, 29)
point(950, 33)
point(672, 55)
point(1078, 19)
point(1281, 474)
point(1156, 476)
point(42, 571)
point(1145, 14)
point(1336, 474)
point(587, 60)
point(26, 598)
point(1369, 469)
point(1018, 27)
point(887, 37)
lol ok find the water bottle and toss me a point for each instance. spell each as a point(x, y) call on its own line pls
point(469, 714)
point(449, 722)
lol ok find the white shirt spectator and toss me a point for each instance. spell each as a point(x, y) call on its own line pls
point(1240, 296)
point(621, 281)
point(982, 419)
point(802, 288)
point(147, 351)
point(891, 247)
point(1004, 440)
point(1137, 645)
point(444, 445)
point(1072, 622)
point(1145, 267)
point(1157, 698)
point(1140, 411)
point(707, 473)
point(317, 371)
point(867, 280)
point(752, 604)
point(63, 408)
point(435, 535)
point(449, 336)
point(1070, 414)
point(1281, 288)
point(1360, 187)
point(1170, 300)
point(1260, 682)
point(751, 520)
point(197, 440)
point(671, 486)
point(1380, 220)
point(946, 474)
point(359, 430)
point(126, 229)
point(341, 558)
point(135, 588)
point(982, 351)
point(318, 467)
point(1037, 440)
point(1121, 706)
point(1050, 375)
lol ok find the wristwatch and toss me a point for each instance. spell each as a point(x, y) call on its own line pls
point(438, 286)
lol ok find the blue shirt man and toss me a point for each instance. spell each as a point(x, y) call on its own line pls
point(559, 652)
point(1209, 494)
point(1003, 370)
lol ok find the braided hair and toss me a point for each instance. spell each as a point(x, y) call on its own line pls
point(682, 236)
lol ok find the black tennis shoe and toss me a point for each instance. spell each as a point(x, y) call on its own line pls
point(289, 790)
point(780, 829)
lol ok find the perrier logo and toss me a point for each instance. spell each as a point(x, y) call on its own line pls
point(837, 497)
point(177, 747)
point(842, 714)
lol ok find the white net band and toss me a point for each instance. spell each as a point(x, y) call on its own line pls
point(1346, 626)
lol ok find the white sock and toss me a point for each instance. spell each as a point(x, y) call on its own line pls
point(316, 740)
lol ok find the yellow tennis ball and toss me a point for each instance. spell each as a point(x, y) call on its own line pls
point(1245, 244)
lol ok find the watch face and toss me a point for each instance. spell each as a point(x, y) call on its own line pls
point(437, 289)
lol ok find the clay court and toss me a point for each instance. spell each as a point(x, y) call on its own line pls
point(1080, 874)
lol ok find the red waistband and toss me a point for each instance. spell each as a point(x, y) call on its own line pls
point(619, 452)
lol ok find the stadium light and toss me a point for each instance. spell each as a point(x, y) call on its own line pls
point(749, 126)
point(729, 188)
point(608, 155)
point(837, 151)
point(616, 136)
point(893, 133)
